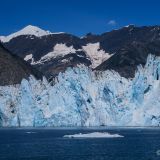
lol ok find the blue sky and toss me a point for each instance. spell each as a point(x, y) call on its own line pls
point(77, 16)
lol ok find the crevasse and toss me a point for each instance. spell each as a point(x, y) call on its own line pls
point(81, 97)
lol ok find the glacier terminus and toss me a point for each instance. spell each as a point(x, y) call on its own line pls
point(82, 97)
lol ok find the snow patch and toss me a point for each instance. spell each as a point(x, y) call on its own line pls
point(28, 57)
point(58, 50)
point(96, 55)
point(94, 135)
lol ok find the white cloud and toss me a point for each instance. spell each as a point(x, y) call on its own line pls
point(112, 23)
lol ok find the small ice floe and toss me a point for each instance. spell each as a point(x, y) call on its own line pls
point(94, 135)
point(30, 132)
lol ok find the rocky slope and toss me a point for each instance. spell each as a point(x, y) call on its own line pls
point(13, 69)
point(127, 59)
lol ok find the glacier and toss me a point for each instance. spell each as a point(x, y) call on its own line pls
point(82, 97)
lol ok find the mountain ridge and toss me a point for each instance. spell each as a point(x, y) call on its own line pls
point(130, 45)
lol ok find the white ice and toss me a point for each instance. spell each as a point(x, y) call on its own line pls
point(94, 135)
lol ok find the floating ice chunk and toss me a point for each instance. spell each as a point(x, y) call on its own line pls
point(30, 132)
point(94, 135)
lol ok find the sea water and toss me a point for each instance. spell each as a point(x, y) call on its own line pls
point(51, 144)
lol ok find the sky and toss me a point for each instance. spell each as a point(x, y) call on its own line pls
point(77, 17)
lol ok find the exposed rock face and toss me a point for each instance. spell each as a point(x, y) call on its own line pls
point(127, 59)
point(13, 69)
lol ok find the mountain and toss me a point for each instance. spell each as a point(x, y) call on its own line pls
point(54, 52)
point(82, 97)
point(29, 30)
point(13, 69)
point(127, 59)
point(134, 46)
point(121, 50)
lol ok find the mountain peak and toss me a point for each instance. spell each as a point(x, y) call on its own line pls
point(34, 30)
point(28, 30)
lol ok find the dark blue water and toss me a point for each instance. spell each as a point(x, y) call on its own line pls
point(49, 144)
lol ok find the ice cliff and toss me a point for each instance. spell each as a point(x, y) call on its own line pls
point(81, 97)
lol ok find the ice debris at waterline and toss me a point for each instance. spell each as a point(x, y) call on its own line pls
point(81, 97)
point(94, 135)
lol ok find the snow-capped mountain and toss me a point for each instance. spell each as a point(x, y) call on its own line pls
point(54, 51)
point(82, 97)
point(28, 30)
point(121, 50)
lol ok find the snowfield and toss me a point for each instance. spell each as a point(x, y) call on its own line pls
point(81, 97)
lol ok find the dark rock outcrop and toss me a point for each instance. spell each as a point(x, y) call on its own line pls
point(13, 69)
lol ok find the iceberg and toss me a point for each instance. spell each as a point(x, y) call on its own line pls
point(82, 97)
point(94, 135)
